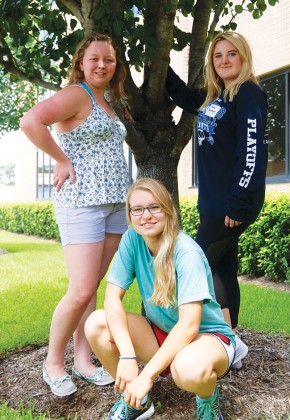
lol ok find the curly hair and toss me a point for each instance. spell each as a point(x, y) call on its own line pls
point(76, 75)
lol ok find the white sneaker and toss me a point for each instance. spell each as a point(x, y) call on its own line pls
point(241, 352)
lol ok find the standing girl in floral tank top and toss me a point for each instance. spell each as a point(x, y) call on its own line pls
point(91, 181)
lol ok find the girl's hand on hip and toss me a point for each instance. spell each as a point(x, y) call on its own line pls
point(63, 170)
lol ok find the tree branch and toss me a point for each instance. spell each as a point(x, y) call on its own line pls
point(200, 41)
point(164, 35)
point(10, 66)
point(215, 20)
point(74, 8)
point(198, 48)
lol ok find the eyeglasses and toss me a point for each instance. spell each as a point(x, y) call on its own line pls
point(139, 210)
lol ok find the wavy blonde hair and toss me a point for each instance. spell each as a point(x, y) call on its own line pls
point(164, 293)
point(76, 75)
point(214, 85)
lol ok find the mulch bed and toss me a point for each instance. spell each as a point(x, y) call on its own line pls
point(261, 389)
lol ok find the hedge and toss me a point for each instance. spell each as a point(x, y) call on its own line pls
point(29, 218)
point(264, 249)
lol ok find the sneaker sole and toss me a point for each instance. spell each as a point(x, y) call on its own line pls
point(237, 365)
point(149, 413)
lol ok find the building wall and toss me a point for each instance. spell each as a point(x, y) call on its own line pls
point(269, 37)
point(26, 169)
point(16, 149)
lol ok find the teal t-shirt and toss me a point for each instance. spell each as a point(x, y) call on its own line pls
point(193, 277)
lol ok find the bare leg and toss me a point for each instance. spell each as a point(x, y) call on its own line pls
point(84, 271)
point(98, 335)
point(197, 366)
point(82, 349)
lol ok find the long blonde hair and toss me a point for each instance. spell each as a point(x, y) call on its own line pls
point(76, 75)
point(214, 85)
point(164, 293)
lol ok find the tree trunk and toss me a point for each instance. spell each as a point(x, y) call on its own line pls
point(163, 167)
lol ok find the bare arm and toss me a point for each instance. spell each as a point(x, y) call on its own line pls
point(64, 105)
point(117, 321)
point(183, 333)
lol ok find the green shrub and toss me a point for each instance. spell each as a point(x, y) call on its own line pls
point(189, 214)
point(29, 218)
point(264, 249)
point(265, 246)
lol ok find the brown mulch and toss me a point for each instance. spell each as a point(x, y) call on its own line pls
point(261, 389)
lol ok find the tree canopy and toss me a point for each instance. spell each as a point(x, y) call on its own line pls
point(38, 38)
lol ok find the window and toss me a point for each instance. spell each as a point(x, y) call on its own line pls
point(44, 176)
point(276, 88)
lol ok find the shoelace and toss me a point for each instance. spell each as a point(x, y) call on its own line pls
point(120, 410)
point(64, 378)
point(208, 411)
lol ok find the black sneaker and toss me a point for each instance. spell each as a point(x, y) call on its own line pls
point(121, 411)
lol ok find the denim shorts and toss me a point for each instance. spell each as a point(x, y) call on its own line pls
point(87, 225)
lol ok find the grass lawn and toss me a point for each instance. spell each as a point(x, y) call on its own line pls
point(33, 279)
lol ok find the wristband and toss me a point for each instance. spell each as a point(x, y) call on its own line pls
point(127, 357)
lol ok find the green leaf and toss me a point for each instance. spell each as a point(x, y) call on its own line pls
point(117, 27)
point(257, 14)
point(239, 9)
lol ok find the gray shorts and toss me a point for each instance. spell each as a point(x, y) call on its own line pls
point(87, 225)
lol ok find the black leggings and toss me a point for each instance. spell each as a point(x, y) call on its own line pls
point(220, 245)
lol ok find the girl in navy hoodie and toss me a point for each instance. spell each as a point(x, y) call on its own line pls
point(232, 140)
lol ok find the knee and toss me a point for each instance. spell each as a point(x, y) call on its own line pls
point(190, 375)
point(95, 326)
point(80, 300)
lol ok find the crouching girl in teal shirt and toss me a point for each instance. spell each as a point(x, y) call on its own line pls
point(183, 333)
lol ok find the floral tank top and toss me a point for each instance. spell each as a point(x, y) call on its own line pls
point(95, 148)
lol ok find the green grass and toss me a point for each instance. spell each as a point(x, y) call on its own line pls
point(33, 278)
point(264, 309)
point(29, 413)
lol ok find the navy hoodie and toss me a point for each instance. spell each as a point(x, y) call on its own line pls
point(232, 149)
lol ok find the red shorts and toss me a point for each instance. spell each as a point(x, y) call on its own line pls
point(161, 335)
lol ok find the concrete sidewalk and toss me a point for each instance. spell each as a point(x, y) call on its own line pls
point(282, 186)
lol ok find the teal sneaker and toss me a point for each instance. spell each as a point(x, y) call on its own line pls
point(121, 411)
point(209, 409)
